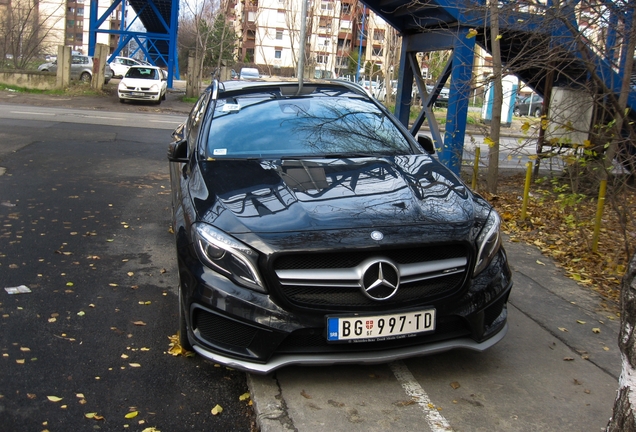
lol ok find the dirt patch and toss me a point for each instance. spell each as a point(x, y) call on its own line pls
point(108, 101)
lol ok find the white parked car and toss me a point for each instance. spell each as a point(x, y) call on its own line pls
point(121, 65)
point(143, 83)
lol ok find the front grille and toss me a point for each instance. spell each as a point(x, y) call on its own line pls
point(334, 281)
point(313, 340)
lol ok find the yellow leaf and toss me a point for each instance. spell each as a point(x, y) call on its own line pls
point(134, 365)
point(132, 414)
point(81, 313)
point(69, 283)
point(139, 323)
point(131, 274)
point(80, 395)
point(54, 398)
point(90, 415)
point(488, 141)
point(540, 263)
point(525, 127)
point(563, 329)
point(218, 409)
point(25, 349)
point(244, 396)
point(471, 33)
point(580, 321)
point(498, 37)
point(596, 330)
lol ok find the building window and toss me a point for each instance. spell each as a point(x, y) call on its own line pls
point(342, 61)
point(79, 37)
point(322, 58)
point(80, 11)
point(378, 35)
point(326, 5)
point(251, 35)
point(345, 9)
point(278, 53)
point(345, 25)
point(377, 51)
point(251, 16)
point(279, 34)
point(70, 23)
point(280, 16)
point(71, 10)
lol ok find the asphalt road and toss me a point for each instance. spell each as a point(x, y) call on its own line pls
point(85, 211)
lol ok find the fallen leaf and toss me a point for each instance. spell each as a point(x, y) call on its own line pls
point(218, 409)
point(455, 385)
point(25, 349)
point(81, 313)
point(139, 323)
point(563, 329)
point(31, 396)
point(132, 414)
point(246, 396)
point(54, 398)
point(302, 393)
point(90, 415)
point(19, 361)
point(135, 365)
point(540, 263)
point(580, 321)
point(124, 356)
point(131, 274)
point(596, 330)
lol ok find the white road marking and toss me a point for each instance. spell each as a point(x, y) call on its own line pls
point(435, 420)
point(32, 112)
point(100, 117)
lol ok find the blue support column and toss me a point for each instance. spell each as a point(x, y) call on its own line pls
point(172, 56)
point(92, 32)
point(463, 56)
point(405, 83)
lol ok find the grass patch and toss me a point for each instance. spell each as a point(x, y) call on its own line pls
point(189, 99)
point(75, 89)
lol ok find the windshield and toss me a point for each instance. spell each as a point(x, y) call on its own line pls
point(143, 73)
point(263, 125)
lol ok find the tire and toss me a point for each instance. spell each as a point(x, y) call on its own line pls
point(517, 112)
point(537, 112)
point(122, 100)
point(158, 101)
point(85, 77)
point(183, 327)
point(163, 98)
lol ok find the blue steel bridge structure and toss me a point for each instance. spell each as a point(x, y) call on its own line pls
point(432, 25)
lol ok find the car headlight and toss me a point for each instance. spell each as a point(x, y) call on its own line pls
point(227, 256)
point(488, 242)
point(154, 87)
point(121, 86)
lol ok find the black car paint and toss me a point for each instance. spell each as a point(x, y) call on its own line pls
point(411, 199)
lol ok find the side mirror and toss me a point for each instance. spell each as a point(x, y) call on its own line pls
point(426, 143)
point(178, 151)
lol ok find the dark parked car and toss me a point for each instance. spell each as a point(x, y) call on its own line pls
point(529, 105)
point(312, 228)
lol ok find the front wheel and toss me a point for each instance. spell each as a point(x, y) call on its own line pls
point(122, 100)
point(183, 326)
point(85, 77)
point(537, 112)
point(517, 112)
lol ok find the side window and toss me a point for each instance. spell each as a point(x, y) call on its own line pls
point(76, 60)
point(196, 119)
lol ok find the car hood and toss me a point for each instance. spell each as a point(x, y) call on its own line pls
point(258, 196)
point(139, 82)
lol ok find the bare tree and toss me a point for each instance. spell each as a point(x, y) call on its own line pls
point(28, 29)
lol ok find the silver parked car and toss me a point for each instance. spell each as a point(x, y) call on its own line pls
point(81, 68)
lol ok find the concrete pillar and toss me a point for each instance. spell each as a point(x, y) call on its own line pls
point(99, 62)
point(63, 66)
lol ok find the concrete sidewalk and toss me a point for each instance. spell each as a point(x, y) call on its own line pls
point(553, 372)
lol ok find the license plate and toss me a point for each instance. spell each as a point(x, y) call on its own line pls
point(137, 94)
point(379, 327)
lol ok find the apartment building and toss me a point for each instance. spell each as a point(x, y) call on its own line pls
point(337, 30)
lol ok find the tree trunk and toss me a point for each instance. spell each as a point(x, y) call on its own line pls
point(623, 418)
point(495, 124)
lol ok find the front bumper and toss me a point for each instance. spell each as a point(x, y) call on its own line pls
point(370, 357)
point(131, 95)
point(249, 331)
